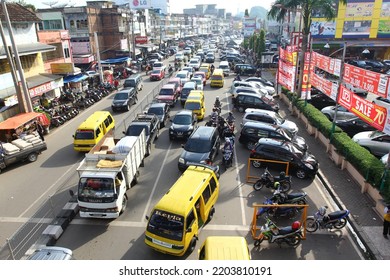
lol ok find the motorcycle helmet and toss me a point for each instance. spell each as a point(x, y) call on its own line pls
point(322, 211)
point(227, 140)
point(230, 114)
point(276, 185)
point(217, 98)
point(296, 225)
point(282, 174)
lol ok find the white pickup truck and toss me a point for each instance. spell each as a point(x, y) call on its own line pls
point(106, 173)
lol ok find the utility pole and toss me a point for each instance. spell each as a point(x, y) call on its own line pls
point(132, 34)
point(98, 57)
point(128, 35)
point(21, 101)
point(27, 99)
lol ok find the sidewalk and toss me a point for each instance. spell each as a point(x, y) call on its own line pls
point(366, 223)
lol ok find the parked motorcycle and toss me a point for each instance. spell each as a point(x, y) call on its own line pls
point(320, 220)
point(292, 235)
point(280, 197)
point(268, 180)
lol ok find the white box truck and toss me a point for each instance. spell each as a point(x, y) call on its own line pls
point(106, 173)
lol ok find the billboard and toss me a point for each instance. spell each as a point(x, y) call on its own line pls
point(359, 8)
point(356, 28)
point(323, 29)
point(140, 4)
point(249, 26)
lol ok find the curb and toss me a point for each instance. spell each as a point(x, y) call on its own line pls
point(360, 237)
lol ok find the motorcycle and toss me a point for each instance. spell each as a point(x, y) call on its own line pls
point(287, 211)
point(292, 235)
point(320, 220)
point(227, 154)
point(268, 180)
point(289, 198)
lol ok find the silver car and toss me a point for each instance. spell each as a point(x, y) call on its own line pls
point(342, 113)
point(377, 142)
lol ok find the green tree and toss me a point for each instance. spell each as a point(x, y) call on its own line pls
point(260, 43)
point(24, 4)
point(281, 8)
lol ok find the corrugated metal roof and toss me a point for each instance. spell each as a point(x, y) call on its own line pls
point(25, 49)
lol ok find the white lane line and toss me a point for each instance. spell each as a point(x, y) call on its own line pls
point(242, 202)
point(49, 189)
point(155, 183)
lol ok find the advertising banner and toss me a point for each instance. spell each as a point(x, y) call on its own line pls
point(359, 28)
point(359, 8)
point(141, 40)
point(307, 67)
point(286, 74)
point(287, 55)
point(140, 4)
point(368, 80)
point(323, 29)
point(371, 113)
point(325, 86)
point(326, 63)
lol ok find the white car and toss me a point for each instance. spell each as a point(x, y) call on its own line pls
point(199, 82)
point(194, 63)
point(159, 66)
point(377, 142)
point(266, 116)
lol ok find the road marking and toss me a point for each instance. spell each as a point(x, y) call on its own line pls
point(239, 185)
point(155, 183)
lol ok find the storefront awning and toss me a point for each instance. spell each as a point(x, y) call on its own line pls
point(26, 49)
point(75, 78)
point(115, 60)
point(18, 120)
point(41, 79)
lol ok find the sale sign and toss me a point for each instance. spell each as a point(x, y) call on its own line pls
point(326, 63)
point(288, 55)
point(325, 86)
point(370, 81)
point(366, 110)
point(286, 74)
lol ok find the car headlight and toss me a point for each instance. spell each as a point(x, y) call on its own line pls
point(124, 103)
point(308, 165)
point(182, 161)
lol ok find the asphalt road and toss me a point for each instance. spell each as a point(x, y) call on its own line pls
point(26, 187)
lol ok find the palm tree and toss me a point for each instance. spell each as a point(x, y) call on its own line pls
point(326, 7)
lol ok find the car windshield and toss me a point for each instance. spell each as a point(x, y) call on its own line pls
point(121, 96)
point(285, 133)
point(216, 77)
point(135, 130)
point(198, 146)
point(156, 110)
point(192, 105)
point(166, 91)
point(294, 150)
point(156, 72)
point(376, 133)
point(182, 119)
point(279, 119)
point(167, 225)
point(84, 134)
point(96, 188)
point(181, 75)
point(197, 81)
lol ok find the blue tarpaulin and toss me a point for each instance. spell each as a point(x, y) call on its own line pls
point(75, 78)
point(115, 60)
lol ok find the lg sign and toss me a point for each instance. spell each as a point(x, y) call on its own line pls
point(140, 4)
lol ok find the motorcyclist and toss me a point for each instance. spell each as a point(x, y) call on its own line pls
point(217, 102)
point(170, 68)
point(230, 118)
point(212, 68)
point(228, 146)
point(214, 115)
point(237, 78)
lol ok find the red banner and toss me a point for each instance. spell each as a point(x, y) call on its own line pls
point(141, 40)
point(287, 55)
point(327, 87)
point(368, 80)
point(371, 113)
point(306, 85)
point(328, 64)
point(286, 74)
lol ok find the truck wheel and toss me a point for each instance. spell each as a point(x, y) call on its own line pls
point(135, 179)
point(158, 131)
point(148, 149)
point(32, 157)
point(124, 204)
point(192, 246)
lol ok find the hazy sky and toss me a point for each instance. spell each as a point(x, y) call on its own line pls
point(177, 6)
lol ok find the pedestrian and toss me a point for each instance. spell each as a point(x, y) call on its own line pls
point(40, 130)
point(386, 221)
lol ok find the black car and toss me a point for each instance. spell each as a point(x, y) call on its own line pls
point(354, 126)
point(245, 100)
point(360, 64)
point(161, 110)
point(202, 146)
point(320, 100)
point(149, 123)
point(377, 66)
point(124, 99)
point(210, 58)
point(251, 132)
point(245, 69)
point(302, 164)
point(183, 124)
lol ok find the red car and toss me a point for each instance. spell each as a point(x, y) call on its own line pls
point(168, 94)
point(157, 75)
point(203, 75)
point(178, 84)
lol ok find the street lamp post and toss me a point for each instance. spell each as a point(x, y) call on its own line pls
point(338, 90)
